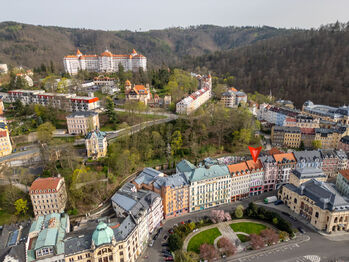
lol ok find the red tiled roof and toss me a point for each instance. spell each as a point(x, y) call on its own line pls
point(345, 173)
point(280, 157)
point(274, 151)
point(239, 167)
point(254, 165)
point(45, 184)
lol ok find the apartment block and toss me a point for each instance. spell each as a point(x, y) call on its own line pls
point(270, 172)
point(48, 195)
point(256, 177)
point(285, 163)
point(240, 181)
point(66, 102)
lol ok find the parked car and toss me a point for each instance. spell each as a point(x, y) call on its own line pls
point(167, 255)
point(189, 221)
point(165, 237)
point(278, 202)
point(168, 258)
point(182, 222)
point(160, 229)
point(155, 237)
point(164, 245)
point(196, 229)
point(293, 218)
point(170, 231)
point(151, 243)
point(301, 230)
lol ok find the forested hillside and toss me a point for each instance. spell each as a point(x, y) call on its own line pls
point(306, 65)
point(29, 45)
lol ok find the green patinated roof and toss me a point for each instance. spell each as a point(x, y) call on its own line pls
point(47, 237)
point(203, 173)
point(102, 235)
point(185, 166)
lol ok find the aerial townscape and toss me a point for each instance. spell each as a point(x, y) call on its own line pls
point(198, 143)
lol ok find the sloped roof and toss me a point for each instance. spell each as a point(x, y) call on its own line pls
point(202, 173)
point(307, 156)
point(254, 165)
point(185, 166)
point(45, 184)
point(239, 167)
point(284, 157)
point(308, 172)
point(147, 176)
point(345, 173)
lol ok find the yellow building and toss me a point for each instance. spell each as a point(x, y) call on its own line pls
point(292, 137)
point(329, 138)
point(5, 143)
point(299, 176)
point(82, 122)
point(318, 202)
point(113, 241)
point(96, 144)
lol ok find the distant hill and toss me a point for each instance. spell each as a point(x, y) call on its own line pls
point(29, 45)
point(306, 65)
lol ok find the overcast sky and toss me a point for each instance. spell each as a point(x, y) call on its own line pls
point(158, 14)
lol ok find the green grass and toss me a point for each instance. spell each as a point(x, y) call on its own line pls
point(243, 238)
point(248, 227)
point(208, 236)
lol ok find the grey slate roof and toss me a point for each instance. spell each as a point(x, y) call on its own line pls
point(134, 201)
point(17, 250)
point(147, 176)
point(82, 113)
point(323, 194)
point(202, 173)
point(176, 180)
point(307, 156)
point(267, 159)
point(328, 153)
point(308, 173)
point(341, 154)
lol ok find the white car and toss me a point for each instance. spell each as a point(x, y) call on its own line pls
point(151, 243)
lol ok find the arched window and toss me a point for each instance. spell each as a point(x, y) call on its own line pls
point(295, 200)
point(336, 220)
point(316, 214)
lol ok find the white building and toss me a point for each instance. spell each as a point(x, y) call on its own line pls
point(145, 206)
point(105, 62)
point(27, 78)
point(209, 187)
point(233, 98)
point(67, 102)
point(240, 181)
point(198, 98)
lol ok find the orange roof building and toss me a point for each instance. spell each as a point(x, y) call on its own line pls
point(238, 169)
point(48, 195)
point(285, 157)
point(105, 62)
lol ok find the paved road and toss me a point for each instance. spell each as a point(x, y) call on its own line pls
point(317, 247)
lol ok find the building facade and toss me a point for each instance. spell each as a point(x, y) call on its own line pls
point(256, 177)
point(299, 176)
point(329, 162)
point(240, 181)
point(307, 158)
point(66, 102)
point(138, 93)
point(285, 163)
point(209, 187)
point(96, 144)
point(342, 182)
point(48, 195)
point(319, 203)
point(270, 172)
point(106, 62)
point(5, 142)
point(80, 123)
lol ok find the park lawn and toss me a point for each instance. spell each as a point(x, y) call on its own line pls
point(243, 238)
point(208, 236)
point(248, 227)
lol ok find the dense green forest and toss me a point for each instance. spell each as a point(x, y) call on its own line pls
point(306, 65)
point(29, 45)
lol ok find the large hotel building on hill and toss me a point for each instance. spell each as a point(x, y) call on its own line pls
point(105, 62)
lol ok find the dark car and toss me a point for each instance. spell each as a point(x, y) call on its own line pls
point(160, 230)
point(168, 258)
point(156, 236)
point(167, 255)
point(165, 237)
point(164, 245)
point(278, 202)
point(301, 230)
point(170, 231)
